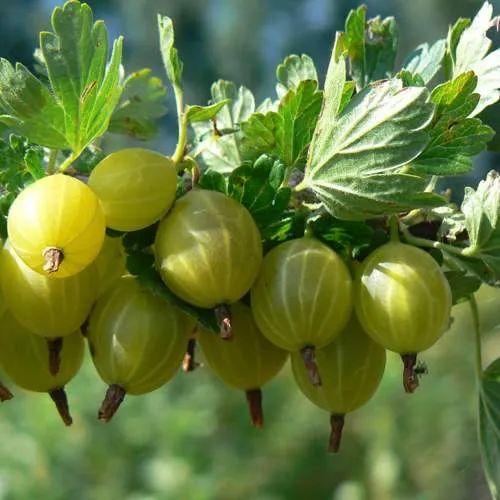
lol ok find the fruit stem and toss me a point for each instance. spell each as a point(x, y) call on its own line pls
point(476, 326)
point(189, 363)
point(254, 399)
point(53, 258)
point(182, 124)
point(55, 346)
point(52, 161)
point(223, 318)
point(61, 401)
point(337, 421)
point(68, 161)
point(394, 228)
point(423, 242)
point(5, 394)
point(410, 378)
point(309, 356)
point(112, 401)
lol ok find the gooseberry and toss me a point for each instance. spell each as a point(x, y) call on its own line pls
point(208, 250)
point(56, 226)
point(136, 187)
point(137, 341)
point(23, 358)
point(351, 370)
point(247, 361)
point(403, 301)
point(302, 298)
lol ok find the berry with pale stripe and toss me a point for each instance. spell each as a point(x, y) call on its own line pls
point(247, 361)
point(46, 306)
point(56, 226)
point(23, 357)
point(403, 302)
point(302, 298)
point(136, 187)
point(137, 341)
point(351, 368)
point(208, 251)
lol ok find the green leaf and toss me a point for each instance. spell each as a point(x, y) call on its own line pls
point(489, 426)
point(333, 97)
point(29, 108)
point(471, 53)
point(85, 85)
point(287, 132)
point(257, 187)
point(371, 46)
point(204, 113)
point(452, 226)
point(409, 79)
point(426, 60)
point(171, 61)
point(482, 209)
point(141, 104)
point(462, 285)
point(21, 163)
point(220, 151)
point(347, 92)
point(293, 70)
point(355, 164)
point(214, 181)
point(454, 137)
point(290, 225)
point(454, 34)
point(340, 234)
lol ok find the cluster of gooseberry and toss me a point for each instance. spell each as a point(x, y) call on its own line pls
point(64, 280)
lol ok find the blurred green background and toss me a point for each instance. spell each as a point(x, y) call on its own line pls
point(192, 440)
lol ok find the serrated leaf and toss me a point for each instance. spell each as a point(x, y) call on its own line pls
point(21, 163)
point(453, 224)
point(287, 132)
point(426, 60)
point(290, 225)
point(141, 104)
point(454, 137)
point(222, 152)
point(293, 70)
point(254, 186)
point(454, 34)
point(462, 285)
point(214, 181)
point(171, 61)
point(347, 92)
point(29, 108)
point(267, 105)
point(409, 79)
point(204, 113)
point(371, 46)
point(340, 234)
point(86, 86)
point(33, 160)
point(354, 164)
point(471, 53)
point(481, 208)
point(489, 426)
point(335, 83)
